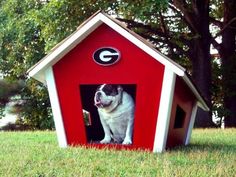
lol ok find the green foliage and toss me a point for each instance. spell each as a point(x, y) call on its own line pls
point(7, 90)
point(20, 44)
point(58, 19)
point(212, 153)
point(216, 9)
point(28, 30)
point(146, 11)
point(36, 111)
point(2, 114)
point(159, 24)
point(20, 48)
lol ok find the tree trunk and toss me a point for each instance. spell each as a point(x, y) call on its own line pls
point(196, 36)
point(198, 21)
point(201, 73)
point(228, 56)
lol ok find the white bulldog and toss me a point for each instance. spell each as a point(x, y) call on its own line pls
point(116, 112)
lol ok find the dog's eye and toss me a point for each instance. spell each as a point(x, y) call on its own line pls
point(110, 90)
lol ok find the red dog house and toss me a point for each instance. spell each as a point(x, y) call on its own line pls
point(102, 50)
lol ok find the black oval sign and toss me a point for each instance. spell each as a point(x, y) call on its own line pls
point(106, 56)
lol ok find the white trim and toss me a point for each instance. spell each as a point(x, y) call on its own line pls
point(65, 47)
point(162, 127)
point(191, 123)
point(73, 40)
point(57, 116)
point(141, 45)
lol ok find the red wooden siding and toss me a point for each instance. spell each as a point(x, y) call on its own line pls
point(134, 67)
point(185, 100)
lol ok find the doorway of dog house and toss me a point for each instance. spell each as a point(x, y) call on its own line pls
point(94, 129)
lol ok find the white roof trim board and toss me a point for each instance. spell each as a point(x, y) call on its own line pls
point(59, 51)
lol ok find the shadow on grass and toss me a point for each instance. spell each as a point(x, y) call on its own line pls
point(211, 147)
point(15, 127)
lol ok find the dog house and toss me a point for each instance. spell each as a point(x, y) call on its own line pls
point(102, 50)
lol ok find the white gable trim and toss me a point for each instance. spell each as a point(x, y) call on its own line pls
point(141, 45)
point(56, 110)
point(68, 44)
point(38, 71)
point(201, 102)
point(163, 119)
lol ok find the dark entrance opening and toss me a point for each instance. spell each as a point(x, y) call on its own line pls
point(94, 130)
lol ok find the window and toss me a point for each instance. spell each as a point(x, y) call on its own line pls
point(179, 117)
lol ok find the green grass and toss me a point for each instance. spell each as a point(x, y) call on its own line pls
point(212, 153)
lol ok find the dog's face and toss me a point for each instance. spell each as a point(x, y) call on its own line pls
point(108, 96)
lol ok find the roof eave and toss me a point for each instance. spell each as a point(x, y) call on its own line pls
point(66, 45)
point(58, 52)
point(200, 100)
point(84, 30)
point(142, 43)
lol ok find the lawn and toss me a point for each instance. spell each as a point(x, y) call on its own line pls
point(212, 152)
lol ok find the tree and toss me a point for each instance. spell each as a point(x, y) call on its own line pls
point(28, 30)
point(7, 90)
point(180, 28)
point(228, 55)
point(20, 47)
point(226, 48)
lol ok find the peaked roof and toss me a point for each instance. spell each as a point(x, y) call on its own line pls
point(61, 49)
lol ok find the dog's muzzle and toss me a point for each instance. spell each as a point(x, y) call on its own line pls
point(98, 101)
point(98, 96)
